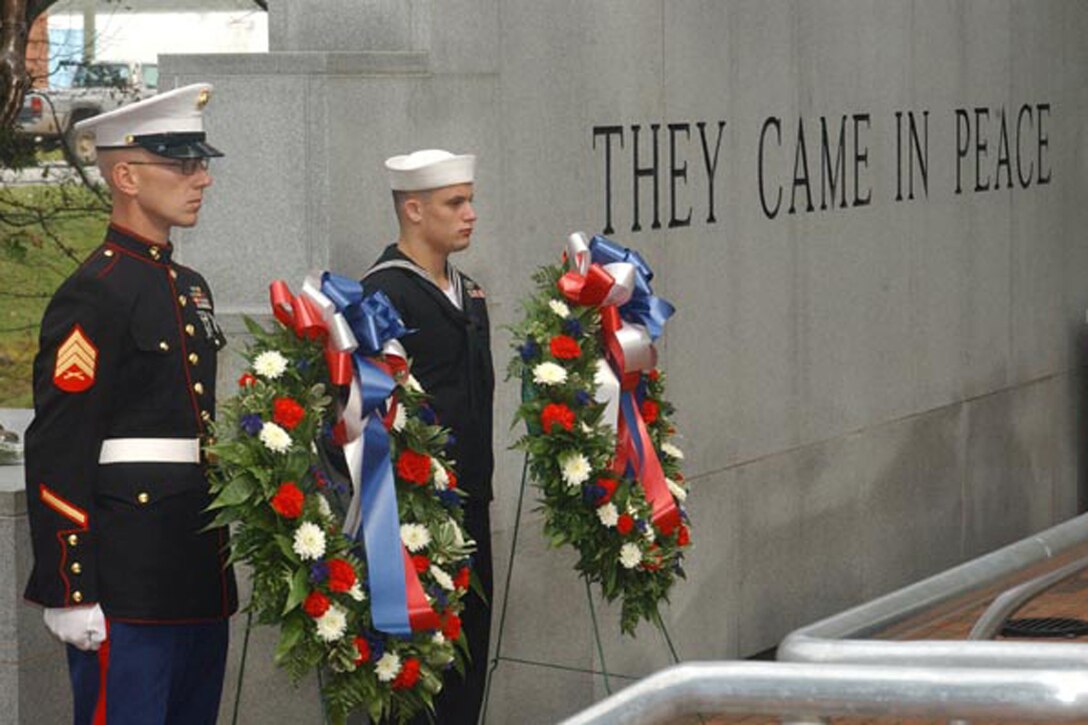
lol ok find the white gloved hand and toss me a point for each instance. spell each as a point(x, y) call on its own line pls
point(83, 627)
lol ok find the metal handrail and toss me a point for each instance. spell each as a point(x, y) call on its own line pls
point(830, 641)
point(808, 692)
point(825, 674)
point(995, 616)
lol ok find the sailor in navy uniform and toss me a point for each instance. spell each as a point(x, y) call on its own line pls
point(124, 390)
point(451, 358)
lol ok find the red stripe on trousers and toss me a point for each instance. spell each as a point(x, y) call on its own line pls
point(103, 669)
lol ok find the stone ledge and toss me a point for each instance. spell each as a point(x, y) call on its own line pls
point(12, 491)
point(299, 63)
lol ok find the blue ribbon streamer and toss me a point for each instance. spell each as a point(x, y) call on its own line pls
point(627, 410)
point(644, 308)
point(374, 321)
point(380, 525)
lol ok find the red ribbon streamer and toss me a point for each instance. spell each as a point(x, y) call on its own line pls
point(420, 613)
point(666, 515)
point(590, 290)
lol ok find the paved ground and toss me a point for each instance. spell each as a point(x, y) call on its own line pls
point(954, 620)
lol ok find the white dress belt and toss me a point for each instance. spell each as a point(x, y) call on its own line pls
point(150, 450)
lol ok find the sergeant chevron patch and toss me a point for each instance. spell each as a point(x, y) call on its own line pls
point(73, 513)
point(76, 359)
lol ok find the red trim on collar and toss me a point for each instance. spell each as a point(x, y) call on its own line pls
point(137, 236)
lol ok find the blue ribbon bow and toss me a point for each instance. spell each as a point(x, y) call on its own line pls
point(644, 308)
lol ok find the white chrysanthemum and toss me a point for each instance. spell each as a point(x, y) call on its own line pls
point(400, 418)
point(670, 450)
point(677, 490)
point(438, 639)
point(413, 384)
point(309, 541)
point(441, 478)
point(275, 439)
point(444, 580)
point(608, 514)
point(323, 507)
point(559, 307)
point(332, 624)
point(630, 555)
point(548, 373)
point(574, 468)
point(356, 592)
point(387, 667)
point(414, 536)
point(270, 364)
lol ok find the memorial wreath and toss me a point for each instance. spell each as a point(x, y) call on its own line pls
point(599, 430)
point(364, 585)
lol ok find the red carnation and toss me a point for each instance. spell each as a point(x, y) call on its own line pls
point(609, 486)
point(420, 563)
point(246, 380)
point(461, 580)
point(625, 524)
point(288, 500)
point(654, 374)
point(408, 675)
point(649, 410)
point(451, 626)
point(414, 467)
point(363, 648)
point(453, 479)
point(683, 537)
point(341, 575)
point(565, 348)
point(316, 604)
point(556, 414)
point(287, 412)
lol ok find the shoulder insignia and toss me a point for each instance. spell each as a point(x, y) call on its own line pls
point(76, 360)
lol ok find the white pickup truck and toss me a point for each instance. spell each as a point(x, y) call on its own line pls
point(98, 87)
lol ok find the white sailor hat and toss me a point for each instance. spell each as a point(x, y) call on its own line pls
point(169, 124)
point(429, 169)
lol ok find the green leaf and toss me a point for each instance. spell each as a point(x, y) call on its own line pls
point(374, 710)
point(236, 492)
point(290, 634)
point(287, 547)
point(300, 587)
point(254, 328)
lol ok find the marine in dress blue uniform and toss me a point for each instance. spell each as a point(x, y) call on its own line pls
point(451, 358)
point(124, 391)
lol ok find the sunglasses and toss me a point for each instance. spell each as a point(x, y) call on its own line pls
point(188, 167)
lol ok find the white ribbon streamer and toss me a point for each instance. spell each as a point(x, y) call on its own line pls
point(608, 392)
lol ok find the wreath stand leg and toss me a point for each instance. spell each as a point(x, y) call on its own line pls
point(321, 697)
point(660, 624)
point(506, 590)
point(242, 667)
point(597, 636)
